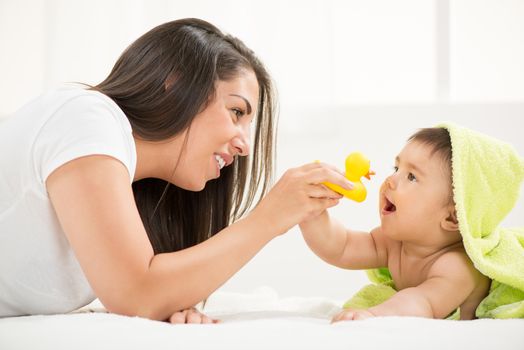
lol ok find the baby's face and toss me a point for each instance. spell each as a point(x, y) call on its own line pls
point(416, 197)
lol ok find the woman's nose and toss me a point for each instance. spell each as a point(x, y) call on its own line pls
point(241, 142)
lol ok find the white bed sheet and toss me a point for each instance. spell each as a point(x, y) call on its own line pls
point(257, 320)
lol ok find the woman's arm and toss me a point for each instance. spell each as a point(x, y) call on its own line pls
point(94, 202)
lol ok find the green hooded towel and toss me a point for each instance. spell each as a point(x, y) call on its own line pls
point(487, 174)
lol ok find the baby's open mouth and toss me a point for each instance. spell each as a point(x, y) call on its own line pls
point(389, 207)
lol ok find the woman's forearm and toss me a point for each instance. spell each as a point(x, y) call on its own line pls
point(179, 280)
point(169, 282)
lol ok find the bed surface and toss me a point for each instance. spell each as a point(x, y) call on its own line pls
point(257, 320)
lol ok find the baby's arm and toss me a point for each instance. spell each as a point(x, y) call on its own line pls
point(342, 247)
point(450, 281)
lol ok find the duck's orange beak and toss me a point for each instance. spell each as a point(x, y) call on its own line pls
point(369, 174)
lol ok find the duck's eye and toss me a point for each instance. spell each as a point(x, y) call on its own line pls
point(412, 177)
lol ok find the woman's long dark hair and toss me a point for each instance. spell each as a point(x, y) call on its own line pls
point(189, 57)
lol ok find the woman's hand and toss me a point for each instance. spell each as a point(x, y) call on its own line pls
point(300, 195)
point(191, 315)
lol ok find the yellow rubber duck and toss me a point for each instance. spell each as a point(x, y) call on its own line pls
point(357, 165)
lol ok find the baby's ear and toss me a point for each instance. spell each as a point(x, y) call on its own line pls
point(450, 222)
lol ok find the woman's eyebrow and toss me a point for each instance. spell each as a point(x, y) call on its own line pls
point(248, 105)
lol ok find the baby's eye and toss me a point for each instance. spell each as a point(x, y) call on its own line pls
point(412, 177)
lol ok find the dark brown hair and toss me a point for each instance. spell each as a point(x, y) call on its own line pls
point(440, 141)
point(437, 138)
point(161, 82)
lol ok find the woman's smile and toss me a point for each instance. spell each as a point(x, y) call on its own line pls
point(222, 160)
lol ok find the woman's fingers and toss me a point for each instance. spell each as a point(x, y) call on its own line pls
point(326, 174)
point(206, 320)
point(318, 205)
point(317, 164)
point(321, 191)
point(178, 317)
point(327, 203)
point(191, 315)
point(300, 195)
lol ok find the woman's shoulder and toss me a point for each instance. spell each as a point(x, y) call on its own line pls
point(66, 100)
point(78, 105)
point(79, 95)
point(82, 122)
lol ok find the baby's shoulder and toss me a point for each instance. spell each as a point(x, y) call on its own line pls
point(453, 262)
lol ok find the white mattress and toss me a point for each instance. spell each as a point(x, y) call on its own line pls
point(258, 320)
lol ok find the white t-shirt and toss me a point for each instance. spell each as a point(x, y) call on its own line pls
point(39, 273)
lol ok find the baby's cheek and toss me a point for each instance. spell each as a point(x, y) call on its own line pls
point(424, 214)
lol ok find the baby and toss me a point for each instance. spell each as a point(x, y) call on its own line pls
point(418, 240)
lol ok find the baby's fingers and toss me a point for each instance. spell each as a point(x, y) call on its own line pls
point(348, 315)
point(344, 315)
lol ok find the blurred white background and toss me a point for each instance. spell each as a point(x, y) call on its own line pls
point(351, 75)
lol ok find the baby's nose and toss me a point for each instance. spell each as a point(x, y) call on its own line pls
point(391, 181)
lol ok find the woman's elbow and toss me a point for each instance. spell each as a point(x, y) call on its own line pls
point(144, 303)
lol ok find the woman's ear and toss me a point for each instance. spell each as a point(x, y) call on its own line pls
point(450, 222)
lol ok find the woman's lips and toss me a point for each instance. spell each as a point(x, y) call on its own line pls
point(222, 160)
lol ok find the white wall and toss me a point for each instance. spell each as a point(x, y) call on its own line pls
point(321, 52)
point(350, 75)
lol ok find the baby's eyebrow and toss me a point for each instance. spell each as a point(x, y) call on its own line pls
point(411, 166)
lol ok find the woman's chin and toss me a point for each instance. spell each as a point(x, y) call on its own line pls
point(197, 187)
point(193, 186)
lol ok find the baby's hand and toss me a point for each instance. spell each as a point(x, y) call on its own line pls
point(348, 315)
point(191, 315)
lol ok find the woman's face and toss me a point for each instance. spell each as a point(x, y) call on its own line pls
point(219, 133)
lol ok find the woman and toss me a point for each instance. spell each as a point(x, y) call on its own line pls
point(136, 190)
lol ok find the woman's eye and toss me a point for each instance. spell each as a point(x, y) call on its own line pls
point(238, 112)
point(395, 169)
point(411, 177)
